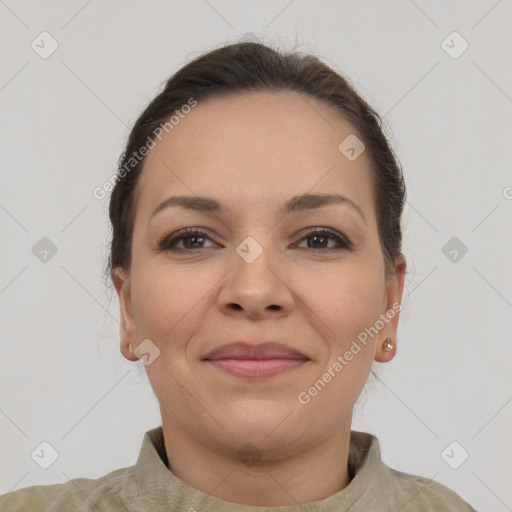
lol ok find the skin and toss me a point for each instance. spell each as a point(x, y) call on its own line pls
point(252, 153)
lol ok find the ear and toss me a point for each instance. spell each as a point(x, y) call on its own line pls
point(127, 329)
point(391, 311)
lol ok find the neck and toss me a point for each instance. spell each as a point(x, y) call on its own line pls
point(297, 478)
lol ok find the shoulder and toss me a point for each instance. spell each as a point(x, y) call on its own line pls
point(418, 494)
point(109, 492)
point(388, 489)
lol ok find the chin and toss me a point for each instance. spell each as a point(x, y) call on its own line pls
point(270, 426)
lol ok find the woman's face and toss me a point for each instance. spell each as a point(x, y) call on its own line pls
point(258, 272)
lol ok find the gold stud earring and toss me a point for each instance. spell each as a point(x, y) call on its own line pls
point(388, 346)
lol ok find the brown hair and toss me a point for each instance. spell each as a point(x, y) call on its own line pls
point(250, 66)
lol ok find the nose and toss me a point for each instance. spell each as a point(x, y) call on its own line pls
point(256, 288)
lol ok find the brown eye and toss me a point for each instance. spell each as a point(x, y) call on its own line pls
point(191, 239)
point(319, 239)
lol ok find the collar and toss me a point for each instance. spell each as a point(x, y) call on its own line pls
point(159, 489)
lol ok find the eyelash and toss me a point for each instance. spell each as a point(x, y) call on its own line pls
point(168, 243)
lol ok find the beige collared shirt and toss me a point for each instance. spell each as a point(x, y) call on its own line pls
point(150, 486)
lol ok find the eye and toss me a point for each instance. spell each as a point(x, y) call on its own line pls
point(192, 238)
point(318, 239)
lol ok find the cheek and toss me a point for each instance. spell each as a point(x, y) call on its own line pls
point(345, 300)
point(346, 305)
point(168, 302)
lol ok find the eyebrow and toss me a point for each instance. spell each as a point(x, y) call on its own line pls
point(295, 204)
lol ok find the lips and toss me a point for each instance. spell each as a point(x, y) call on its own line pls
point(263, 360)
point(266, 350)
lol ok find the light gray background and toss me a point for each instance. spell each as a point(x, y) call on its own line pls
point(64, 122)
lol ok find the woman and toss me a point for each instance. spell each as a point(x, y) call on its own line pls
point(256, 254)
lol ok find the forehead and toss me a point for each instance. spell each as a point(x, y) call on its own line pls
point(256, 147)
